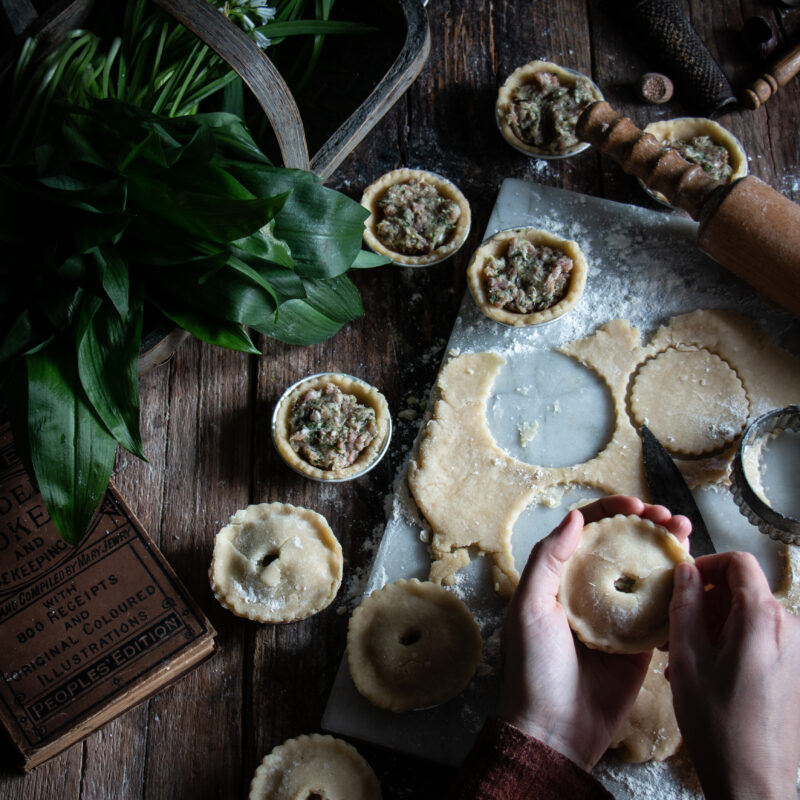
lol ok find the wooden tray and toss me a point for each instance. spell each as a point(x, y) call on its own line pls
point(259, 73)
point(264, 81)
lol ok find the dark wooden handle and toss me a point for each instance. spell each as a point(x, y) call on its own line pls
point(668, 40)
point(255, 69)
point(778, 74)
point(685, 185)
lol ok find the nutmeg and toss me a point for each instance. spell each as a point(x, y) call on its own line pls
point(653, 87)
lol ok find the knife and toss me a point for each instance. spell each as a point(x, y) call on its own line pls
point(668, 488)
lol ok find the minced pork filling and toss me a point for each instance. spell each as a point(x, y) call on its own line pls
point(331, 428)
point(527, 278)
point(701, 150)
point(543, 112)
point(416, 219)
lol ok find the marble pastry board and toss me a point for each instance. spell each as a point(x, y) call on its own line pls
point(644, 266)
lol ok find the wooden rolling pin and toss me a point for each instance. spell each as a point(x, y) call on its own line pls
point(778, 74)
point(745, 226)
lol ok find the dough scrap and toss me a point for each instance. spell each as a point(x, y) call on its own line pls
point(314, 766)
point(788, 593)
point(691, 400)
point(471, 492)
point(275, 562)
point(497, 246)
point(616, 587)
point(650, 733)
point(412, 645)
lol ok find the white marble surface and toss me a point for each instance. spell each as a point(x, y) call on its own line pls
point(643, 266)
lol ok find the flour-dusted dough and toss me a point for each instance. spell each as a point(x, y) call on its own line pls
point(691, 400)
point(275, 562)
point(364, 393)
point(375, 191)
point(314, 766)
point(650, 733)
point(468, 489)
point(471, 492)
point(616, 587)
point(412, 645)
point(496, 246)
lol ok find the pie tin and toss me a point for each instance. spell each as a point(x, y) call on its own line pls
point(581, 147)
point(444, 256)
point(510, 325)
point(367, 467)
point(770, 522)
point(659, 198)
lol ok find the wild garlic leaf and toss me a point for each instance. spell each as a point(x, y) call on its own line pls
point(108, 360)
point(264, 245)
point(328, 305)
point(112, 270)
point(206, 328)
point(72, 454)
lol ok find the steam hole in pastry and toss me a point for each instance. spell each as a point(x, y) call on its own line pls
point(410, 637)
point(625, 584)
point(315, 796)
point(268, 559)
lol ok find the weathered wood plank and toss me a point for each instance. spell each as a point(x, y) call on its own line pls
point(206, 416)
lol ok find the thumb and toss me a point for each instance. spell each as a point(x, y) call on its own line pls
point(688, 639)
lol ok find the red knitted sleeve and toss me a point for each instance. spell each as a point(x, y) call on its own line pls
point(507, 764)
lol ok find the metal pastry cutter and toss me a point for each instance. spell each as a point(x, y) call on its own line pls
point(753, 505)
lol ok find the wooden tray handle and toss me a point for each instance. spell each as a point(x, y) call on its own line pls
point(254, 68)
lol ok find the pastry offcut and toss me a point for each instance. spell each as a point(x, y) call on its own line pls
point(275, 562)
point(616, 587)
point(314, 766)
point(412, 645)
point(650, 733)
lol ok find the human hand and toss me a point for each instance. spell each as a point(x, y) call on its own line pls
point(554, 687)
point(734, 655)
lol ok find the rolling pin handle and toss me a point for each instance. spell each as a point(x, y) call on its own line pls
point(746, 226)
point(778, 74)
point(640, 154)
point(759, 92)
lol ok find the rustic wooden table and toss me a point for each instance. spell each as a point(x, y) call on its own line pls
point(206, 414)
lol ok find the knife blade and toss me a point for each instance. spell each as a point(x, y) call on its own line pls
point(668, 488)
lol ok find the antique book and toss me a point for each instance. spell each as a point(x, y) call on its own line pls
point(86, 631)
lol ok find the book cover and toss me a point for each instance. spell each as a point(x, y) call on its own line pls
point(86, 631)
